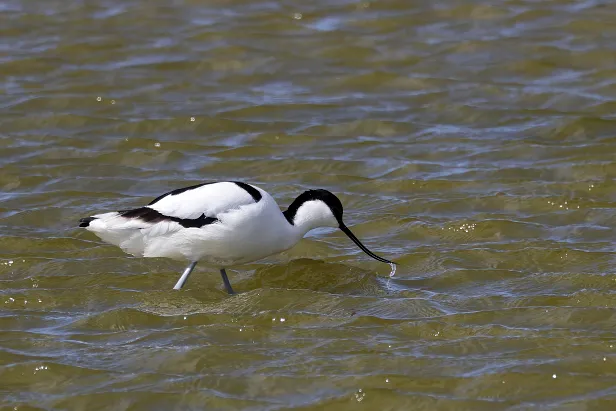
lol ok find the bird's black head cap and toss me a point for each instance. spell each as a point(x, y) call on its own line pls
point(325, 196)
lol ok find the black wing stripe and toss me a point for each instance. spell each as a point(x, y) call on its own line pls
point(178, 191)
point(150, 215)
point(254, 193)
point(85, 222)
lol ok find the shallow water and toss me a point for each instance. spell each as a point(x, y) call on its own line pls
point(471, 141)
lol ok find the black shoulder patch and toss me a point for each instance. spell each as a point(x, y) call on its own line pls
point(177, 191)
point(150, 215)
point(256, 195)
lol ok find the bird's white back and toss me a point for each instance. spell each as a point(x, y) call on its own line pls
point(210, 199)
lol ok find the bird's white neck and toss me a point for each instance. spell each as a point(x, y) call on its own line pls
point(310, 215)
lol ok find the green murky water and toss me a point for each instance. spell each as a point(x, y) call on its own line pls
point(472, 141)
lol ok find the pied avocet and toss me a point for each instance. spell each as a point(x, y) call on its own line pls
point(221, 223)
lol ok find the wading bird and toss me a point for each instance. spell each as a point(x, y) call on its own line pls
point(221, 223)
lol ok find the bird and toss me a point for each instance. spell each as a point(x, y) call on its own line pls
point(224, 223)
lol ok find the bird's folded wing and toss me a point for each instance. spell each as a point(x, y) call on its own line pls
point(205, 200)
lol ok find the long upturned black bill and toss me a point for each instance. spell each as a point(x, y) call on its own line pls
point(348, 232)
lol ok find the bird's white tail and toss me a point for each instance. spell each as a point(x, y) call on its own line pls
point(117, 230)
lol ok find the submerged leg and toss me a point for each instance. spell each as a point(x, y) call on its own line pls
point(225, 280)
point(185, 275)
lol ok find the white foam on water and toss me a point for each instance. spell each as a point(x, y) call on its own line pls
point(393, 269)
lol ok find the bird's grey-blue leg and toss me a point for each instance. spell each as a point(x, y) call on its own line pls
point(225, 280)
point(185, 275)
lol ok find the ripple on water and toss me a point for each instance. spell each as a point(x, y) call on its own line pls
point(478, 155)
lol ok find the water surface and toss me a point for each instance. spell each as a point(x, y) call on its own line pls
point(472, 141)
